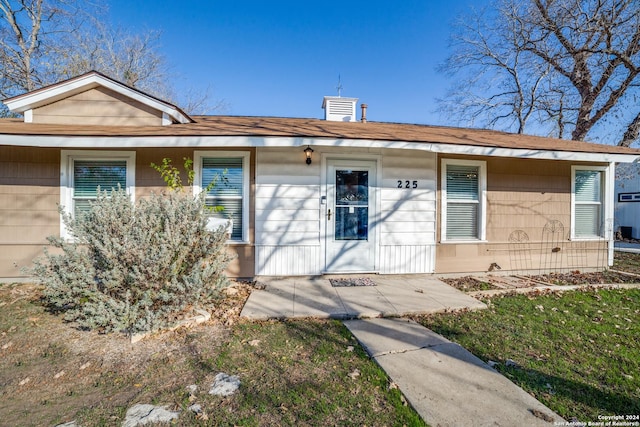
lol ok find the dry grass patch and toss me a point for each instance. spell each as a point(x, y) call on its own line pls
point(292, 373)
point(49, 370)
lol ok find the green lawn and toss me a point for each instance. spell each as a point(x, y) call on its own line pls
point(578, 353)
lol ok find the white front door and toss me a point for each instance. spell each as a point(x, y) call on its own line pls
point(350, 213)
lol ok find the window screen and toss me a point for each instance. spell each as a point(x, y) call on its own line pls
point(225, 195)
point(88, 175)
point(463, 202)
point(588, 203)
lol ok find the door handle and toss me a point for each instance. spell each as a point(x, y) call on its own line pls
point(329, 215)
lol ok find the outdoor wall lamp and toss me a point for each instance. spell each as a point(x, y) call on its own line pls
point(308, 151)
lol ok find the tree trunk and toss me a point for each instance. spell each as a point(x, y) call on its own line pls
point(632, 133)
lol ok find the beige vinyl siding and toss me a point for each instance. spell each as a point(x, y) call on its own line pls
point(30, 194)
point(29, 197)
point(525, 195)
point(522, 194)
point(148, 180)
point(99, 106)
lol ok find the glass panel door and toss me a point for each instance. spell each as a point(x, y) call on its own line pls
point(350, 213)
point(352, 205)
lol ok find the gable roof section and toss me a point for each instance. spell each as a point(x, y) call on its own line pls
point(50, 94)
point(232, 131)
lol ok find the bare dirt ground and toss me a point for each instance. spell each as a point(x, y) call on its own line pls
point(488, 282)
point(50, 370)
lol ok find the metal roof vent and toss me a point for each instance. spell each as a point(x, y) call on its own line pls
point(339, 109)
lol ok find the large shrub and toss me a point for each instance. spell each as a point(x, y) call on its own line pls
point(135, 267)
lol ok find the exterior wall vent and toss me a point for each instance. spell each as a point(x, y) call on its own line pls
point(339, 109)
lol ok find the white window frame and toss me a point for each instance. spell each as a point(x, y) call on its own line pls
point(606, 205)
point(67, 159)
point(197, 185)
point(482, 199)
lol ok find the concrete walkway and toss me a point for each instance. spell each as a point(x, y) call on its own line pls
point(446, 384)
point(393, 295)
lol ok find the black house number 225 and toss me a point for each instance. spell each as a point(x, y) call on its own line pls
point(407, 184)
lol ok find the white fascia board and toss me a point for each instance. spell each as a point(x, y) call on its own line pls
point(30, 101)
point(534, 154)
point(55, 93)
point(102, 142)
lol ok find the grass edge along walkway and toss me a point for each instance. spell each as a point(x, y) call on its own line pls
point(577, 352)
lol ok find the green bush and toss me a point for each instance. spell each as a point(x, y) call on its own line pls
point(135, 267)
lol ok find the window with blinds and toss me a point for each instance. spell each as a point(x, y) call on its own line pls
point(89, 175)
point(225, 178)
point(462, 202)
point(588, 189)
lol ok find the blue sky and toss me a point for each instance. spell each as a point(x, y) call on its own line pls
point(279, 58)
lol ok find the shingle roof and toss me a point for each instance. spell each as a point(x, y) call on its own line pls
point(316, 128)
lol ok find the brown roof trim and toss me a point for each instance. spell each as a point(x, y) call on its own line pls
point(211, 126)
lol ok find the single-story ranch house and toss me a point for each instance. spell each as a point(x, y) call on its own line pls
point(311, 196)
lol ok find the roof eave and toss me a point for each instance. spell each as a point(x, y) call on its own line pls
point(535, 153)
point(101, 142)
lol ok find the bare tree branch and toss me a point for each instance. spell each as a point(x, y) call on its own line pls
point(574, 65)
point(46, 41)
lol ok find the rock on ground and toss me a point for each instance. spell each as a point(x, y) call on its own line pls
point(225, 385)
point(141, 414)
point(196, 408)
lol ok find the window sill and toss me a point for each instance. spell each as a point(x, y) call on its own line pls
point(589, 239)
point(462, 242)
point(237, 242)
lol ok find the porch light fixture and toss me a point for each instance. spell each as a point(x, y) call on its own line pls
point(307, 152)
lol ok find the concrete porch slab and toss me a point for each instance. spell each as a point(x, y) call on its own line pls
point(365, 301)
point(412, 300)
point(316, 298)
point(392, 296)
point(453, 299)
point(275, 302)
